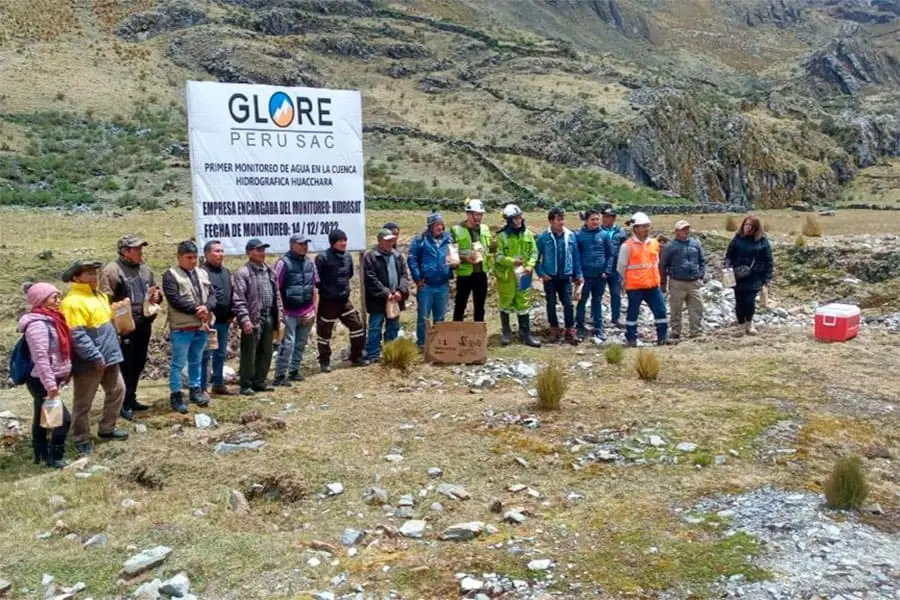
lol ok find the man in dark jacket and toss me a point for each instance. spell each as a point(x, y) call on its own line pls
point(615, 236)
point(596, 265)
point(129, 277)
point(682, 267)
point(191, 303)
point(386, 279)
point(335, 269)
point(258, 310)
point(297, 278)
point(220, 279)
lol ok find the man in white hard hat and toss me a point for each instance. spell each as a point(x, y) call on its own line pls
point(516, 258)
point(473, 238)
point(639, 267)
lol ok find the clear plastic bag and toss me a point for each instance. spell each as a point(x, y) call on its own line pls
point(392, 309)
point(728, 279)
point(51, 413)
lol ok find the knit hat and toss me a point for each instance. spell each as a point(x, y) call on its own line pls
point(336, 236)
point(37, 293)
point(434, 218)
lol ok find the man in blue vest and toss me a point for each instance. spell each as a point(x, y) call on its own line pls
point(615, 235)
point(559, 264)
point(297, 278)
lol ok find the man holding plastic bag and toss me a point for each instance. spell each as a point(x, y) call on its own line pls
point(514, 265)
point(386, 282)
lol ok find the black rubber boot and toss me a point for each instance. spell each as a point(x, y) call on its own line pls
point(57, 452)
point(176, 401)
point(41, 449)
point(525, 332)
point(506, 336)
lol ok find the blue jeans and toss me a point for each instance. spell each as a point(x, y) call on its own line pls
point(432, 304)
point(187, 347)
point(562, 289)
point(593, 289)
point(615, 295)
point(218, 357)
point(657, 303)
point(290, 352)
point(377, 322)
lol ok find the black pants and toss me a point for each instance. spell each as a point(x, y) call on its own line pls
point(330, 312)
point(475, 284)
point(38, 433)
point(745, 304)
point(134, 352)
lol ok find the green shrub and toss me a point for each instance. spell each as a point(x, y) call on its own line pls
point(551, 386)
point(846, 487)
point(615, 354)
point(732, 223)
point(399, 354)
point(799, 241)
point(647, 364)
point(812, 227)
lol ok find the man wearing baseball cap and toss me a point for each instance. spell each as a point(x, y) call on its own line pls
point(297, 278)
point(473, 238)
point(682, 267)
point(639, 267)
point(394, 229)
point(386, 280)
point(259, 312)
point(129, 277)
point(96, 357)
point(614, 235)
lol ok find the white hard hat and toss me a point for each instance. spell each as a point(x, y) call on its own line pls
point(510, 211)
point(640, 218)
point(475, 205)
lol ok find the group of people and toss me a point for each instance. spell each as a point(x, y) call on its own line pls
point(276, 307)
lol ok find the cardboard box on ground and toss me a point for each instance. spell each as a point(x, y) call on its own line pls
point(456, 343)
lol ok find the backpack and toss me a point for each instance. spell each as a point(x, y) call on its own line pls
point(20, 363)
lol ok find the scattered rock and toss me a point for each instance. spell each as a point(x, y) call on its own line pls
point(497, 506)
point(521, 462)
point(437, 507)
point(514, 516)
point(57, 502)
point(148, 591)
point(686, 447)
point(314, 562)
point(5, 586)
point(146, 560)
point(320, 546)
point(176, 587)
point(393, 458)
point(470, 584)
point(456, 492)
point(656, 441)
point(140, 428)
point(462, 532)
point(334, 489)
point(435, 472)
point(404, 512)
point(877, 452)
point(202, 421)
point(98, 541)
point(238, 502)
point(128, 503)
point(375, 496)
point(414, 528)
point(225, 448)
point(47, 579)
point(539, 564)
point(874, 509)
point(406, 500)
point(323, 596)
point(351, 537)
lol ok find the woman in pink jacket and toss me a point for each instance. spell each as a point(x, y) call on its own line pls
point(50, 344)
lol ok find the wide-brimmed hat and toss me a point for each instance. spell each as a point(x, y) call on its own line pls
point(78, 266)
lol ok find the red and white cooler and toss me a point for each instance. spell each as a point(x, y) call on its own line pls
point(837, 322)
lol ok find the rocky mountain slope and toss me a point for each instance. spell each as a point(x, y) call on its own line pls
point(737, 102)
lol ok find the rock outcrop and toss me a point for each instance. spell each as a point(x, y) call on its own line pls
point(847, 65)
point(169, 16)
point(781, 13)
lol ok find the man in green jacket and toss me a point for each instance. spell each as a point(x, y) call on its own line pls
point(516, 257)
point(474, 241)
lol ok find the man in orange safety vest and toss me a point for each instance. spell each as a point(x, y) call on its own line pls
point(639, 268)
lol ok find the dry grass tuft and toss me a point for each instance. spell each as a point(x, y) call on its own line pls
point(147, 476)
point(799, 241)
point(812, 227)
point(399, 354)
point(615, 354)
point(551, 386)
point(732, 223)
point(846, 487)
point(647, 365)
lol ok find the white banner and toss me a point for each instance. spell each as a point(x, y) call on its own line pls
point(268, 162)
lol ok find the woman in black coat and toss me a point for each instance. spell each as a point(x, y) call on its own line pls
point(750, 255)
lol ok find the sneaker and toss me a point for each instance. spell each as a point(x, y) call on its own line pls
point(360, 362)
point(138, 407)
point(127, 414)
point(571, 337)
point(221, 390)
point(85, 448)
point(599, 339)
point(295, 376)
point(264, 388)
point(674, 341)
point(554, 335)
point(116, 434)
point(281, 382)
point(325, 367)
point(247, 392)
point(751, 330)
point(198, 397)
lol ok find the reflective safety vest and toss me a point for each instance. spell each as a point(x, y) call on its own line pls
point(642, 271)
point(463, 239)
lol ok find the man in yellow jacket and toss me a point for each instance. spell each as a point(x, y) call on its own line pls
point(639, 267)
point(96, 356)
